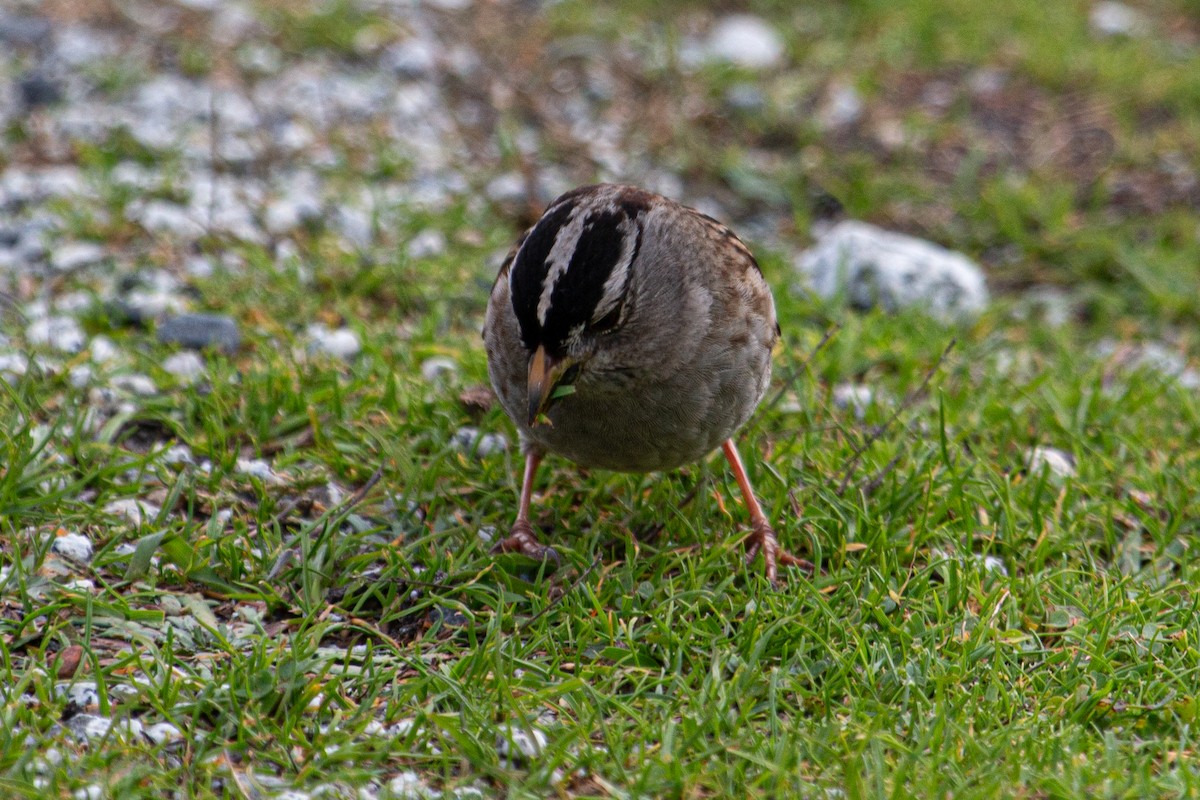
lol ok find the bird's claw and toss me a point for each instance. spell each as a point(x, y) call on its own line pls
point(762, 538)
point(521, 539)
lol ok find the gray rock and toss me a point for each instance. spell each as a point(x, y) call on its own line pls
point(874, 267)
point(200, 331)
point(39, 88)
point(25, 30)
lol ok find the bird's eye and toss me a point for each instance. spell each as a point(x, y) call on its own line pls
point(608, 322)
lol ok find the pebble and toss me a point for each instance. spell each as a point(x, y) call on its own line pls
point(73, 546)
point(409, 786)
point(745, 41)
point(257, 468)
point(163, 733)
point(517, 746)
point(842, 107)
point(199, 331)
point(133, 511)
point(103, 350)
point(76, 255)
point(1109, 18)
point(135, 383)
point(186, 365)
point(177, 455)
point(341, 342)
point(162, 216)
point(426, 244)
point(285, 214)
point(1061, 464)
point(39, 88)
point(438, 369)
point(874, 267)
point(472, 441)
point(61, 333)
point(24, 29)
point(88, 726)
point(80, 376)
point(854, 397)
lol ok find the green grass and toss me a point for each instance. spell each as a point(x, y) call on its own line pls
point(977, 629)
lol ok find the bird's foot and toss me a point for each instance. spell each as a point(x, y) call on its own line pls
point(521, 539)
point(762, 537)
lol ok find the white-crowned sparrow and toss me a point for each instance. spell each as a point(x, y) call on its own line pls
point(628, 332)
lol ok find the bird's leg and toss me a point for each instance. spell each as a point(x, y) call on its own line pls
point(762, 536)
point(521, 538)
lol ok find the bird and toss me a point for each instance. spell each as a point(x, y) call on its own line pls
point(628, 332)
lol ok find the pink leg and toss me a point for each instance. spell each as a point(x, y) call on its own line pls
point(521, 538)
point(762, 536)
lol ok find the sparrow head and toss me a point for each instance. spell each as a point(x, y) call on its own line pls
point(569, 282)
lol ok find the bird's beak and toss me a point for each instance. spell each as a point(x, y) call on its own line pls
point(545, 374)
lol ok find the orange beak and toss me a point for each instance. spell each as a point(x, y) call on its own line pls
point(545, 372)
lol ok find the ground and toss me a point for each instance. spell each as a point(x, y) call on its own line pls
point(261, 568)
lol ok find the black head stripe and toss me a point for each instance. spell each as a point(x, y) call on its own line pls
point(580, 289)
point(530, 268)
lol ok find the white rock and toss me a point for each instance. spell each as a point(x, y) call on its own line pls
point(285, 214)
point(80, 376)
point(426, 244)
point(472, 441)
point(89, 792)
point(409, 786)
point(519, 745)
point(1109, 18)
point(76, 255)
point(103, 349)
point(73, 546)
point(177, 455)
point(342, 343)
point(160, 216)
point(1060, 463)
point(854, 397)
point(745, 40)
point(509, 187)
point(992, 564)
point(89, 726)
point(163, 733)
point(133, 511)
point(61, 333)
point(872, 267)
point(415, 57)
point(1151, 356)
point(257, 468)
point(842, 106)
point(438, 369)
point(135, 383)
point(15, 364)
point(187, 365)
